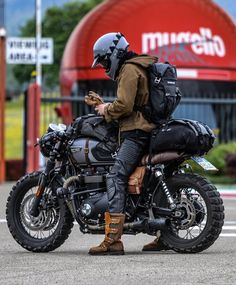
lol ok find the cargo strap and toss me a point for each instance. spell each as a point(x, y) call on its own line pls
point(195, 126)
point(86, 152)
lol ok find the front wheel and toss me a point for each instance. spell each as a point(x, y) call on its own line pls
point(200, 210)
point(50, 228)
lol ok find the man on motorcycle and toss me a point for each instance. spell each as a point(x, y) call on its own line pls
point(129, 71)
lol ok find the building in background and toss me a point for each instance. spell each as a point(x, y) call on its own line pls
point(197, 36)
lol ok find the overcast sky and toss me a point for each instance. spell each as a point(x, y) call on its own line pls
point(18, 11)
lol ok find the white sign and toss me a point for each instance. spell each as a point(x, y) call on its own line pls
point(23, 51)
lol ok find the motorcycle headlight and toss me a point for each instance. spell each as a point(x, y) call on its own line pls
point(46, 144)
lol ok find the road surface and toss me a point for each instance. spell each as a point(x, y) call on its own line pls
point(70, 264)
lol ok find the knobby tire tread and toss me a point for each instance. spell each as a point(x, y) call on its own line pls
point(66, 222)
point(217, 215)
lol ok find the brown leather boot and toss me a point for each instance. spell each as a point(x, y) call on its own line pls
point(112, 245)
point(156, 245)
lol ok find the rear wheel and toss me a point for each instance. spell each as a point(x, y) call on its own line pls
point(201, 213)
point(50, 228)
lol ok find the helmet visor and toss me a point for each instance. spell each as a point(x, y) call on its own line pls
point(101, 60)
point(95, 62)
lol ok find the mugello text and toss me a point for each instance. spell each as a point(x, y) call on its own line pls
point(202, 43)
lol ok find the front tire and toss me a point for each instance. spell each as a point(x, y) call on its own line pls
point(202, 213)
point(46, 232)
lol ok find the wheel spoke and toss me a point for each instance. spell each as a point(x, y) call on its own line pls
point(193, 227)
point(194, 213)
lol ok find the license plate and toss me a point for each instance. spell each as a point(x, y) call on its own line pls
point(205, 164)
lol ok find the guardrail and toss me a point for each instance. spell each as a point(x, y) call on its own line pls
point(107, 99)
point(219, 113)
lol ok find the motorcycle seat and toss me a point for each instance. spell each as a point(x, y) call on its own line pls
point(161, 157)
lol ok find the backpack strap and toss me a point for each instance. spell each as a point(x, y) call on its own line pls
point(137, 108)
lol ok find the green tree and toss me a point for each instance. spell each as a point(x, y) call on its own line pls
point(58, 23)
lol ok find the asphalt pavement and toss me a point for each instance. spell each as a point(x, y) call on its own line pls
point(70, 264)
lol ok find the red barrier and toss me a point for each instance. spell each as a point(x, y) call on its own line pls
point(2, 107)
point(32, 127)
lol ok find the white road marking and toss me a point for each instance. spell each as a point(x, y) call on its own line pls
point(229, 227)
point(228, 235)
point(230, 222)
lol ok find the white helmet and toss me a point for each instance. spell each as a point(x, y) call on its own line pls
point(108, 50)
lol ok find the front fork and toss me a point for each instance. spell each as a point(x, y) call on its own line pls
point(34, 211)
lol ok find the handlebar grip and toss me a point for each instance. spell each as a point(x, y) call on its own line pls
point(69, 131)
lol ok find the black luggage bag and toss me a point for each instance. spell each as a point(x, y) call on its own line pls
point(183, 135)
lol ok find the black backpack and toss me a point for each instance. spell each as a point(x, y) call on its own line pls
point(189, 136)
point(164, 95)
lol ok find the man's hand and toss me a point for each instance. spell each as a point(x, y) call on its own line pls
point(93, 99)
point(100, 108)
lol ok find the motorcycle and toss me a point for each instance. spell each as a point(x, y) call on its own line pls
point(181, 207)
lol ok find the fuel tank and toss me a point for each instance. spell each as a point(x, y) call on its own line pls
point(90, 151)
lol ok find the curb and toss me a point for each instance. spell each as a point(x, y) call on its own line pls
point(227, 191)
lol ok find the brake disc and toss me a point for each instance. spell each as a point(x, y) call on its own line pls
point(34, 223)
point(188, 216)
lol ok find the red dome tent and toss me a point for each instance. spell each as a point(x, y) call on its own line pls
point(195, 35)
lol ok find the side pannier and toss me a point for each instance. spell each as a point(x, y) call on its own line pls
point(184, 135)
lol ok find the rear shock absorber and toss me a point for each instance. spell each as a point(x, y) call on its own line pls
point(159, 175)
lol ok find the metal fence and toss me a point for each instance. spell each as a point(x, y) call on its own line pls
point(49, 102)
point(219, 113)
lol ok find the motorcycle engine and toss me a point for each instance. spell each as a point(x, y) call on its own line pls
point(94, 204)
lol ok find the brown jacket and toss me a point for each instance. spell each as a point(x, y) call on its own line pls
point(132, 90)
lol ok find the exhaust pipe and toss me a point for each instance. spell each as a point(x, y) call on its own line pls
point(146, 225)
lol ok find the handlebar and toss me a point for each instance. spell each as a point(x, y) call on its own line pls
point(69, 131)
